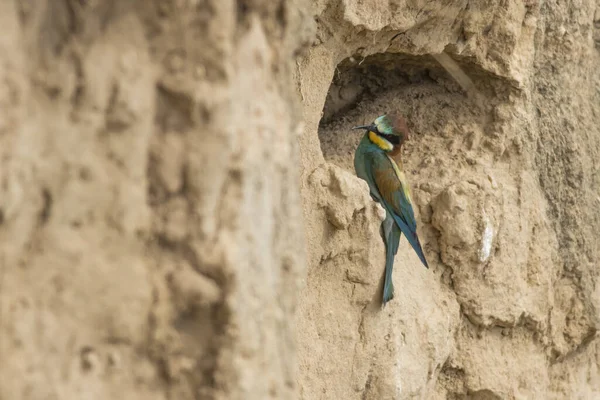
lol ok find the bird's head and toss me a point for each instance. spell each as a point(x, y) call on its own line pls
point(388, 131)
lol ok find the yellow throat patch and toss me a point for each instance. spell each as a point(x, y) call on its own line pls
point(380, 142)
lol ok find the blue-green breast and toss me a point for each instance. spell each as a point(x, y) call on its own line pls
point(360, 163)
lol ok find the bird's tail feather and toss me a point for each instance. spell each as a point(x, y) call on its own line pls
point(388, 285)
point(392, 242)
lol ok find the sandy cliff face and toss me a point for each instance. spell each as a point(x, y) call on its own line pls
point(180, 219)
point(150, 216)
point(506, 185)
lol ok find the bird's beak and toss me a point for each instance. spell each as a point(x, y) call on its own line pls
point(367, 127)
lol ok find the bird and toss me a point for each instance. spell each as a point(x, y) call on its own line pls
point(377, 161)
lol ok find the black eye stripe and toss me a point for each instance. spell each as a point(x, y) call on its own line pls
point(393, 139)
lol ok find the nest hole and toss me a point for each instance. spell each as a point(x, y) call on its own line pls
point(417, 86)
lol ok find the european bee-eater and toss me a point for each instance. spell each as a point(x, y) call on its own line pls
point(377, 161)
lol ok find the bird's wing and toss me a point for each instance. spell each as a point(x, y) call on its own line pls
point(393, 188)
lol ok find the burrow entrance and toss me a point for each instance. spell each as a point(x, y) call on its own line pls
point(445, 123)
